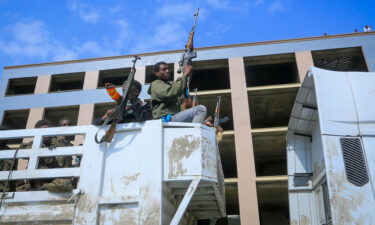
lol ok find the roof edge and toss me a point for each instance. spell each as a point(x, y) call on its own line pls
point(198, 49)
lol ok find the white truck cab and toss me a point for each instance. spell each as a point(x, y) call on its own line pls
point(331, 149)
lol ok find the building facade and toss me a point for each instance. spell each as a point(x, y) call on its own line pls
point(258, 83)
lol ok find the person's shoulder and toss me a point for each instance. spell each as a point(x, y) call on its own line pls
point(26, 145)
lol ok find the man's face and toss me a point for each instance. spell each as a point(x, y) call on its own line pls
point(133, 92)
point(66, 123)
point(163, 73)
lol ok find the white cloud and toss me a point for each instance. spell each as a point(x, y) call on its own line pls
point(277, 6)
point(32, 32)
point(94, 48)
point(32, 39)
point(219, 4)
point(179, 11)
point(169, 35)
point(87, 12)
point(258, 2)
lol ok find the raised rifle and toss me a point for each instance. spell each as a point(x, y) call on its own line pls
point(195, 98)
point(217, 112)
point(189, 54)
point(118, 113)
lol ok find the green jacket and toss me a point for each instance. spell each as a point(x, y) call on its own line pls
point(164, 96)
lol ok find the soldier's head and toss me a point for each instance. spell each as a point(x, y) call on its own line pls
point(64, 122)
point(135, 89)
point(43, 124)
point(161, 71)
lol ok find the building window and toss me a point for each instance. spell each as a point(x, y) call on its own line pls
point(210, 75)
point(101, 108)
point(67, 82)
point(56, 113)
point(15, 119)
point(114, 76)
point(271, 107)
point(341, 59)
point(20, 86)
point(270, 70)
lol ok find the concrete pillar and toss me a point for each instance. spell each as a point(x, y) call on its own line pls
point(42, 84)
point(247, 193)
point(35, 114)
point(140, 74)
point(304, 60)
point(91, 80)
point(85, 116)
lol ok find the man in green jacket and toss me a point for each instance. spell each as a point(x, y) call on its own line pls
point(164, 97)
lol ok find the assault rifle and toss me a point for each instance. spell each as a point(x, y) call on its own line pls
point(217, 112)
point(118, 113)
point(217, 119)
point(189, 54)
point(195, 98)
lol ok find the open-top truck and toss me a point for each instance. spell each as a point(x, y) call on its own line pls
point(151, 173)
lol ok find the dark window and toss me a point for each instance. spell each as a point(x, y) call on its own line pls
point(270, 70)
point(20, 86)
point(66, 82)
point(57, 113)
point(15, 119)
point(210, 75)
point(114, 76)
point(101, 108)
point(342, 59)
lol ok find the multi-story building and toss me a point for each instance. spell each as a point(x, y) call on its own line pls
point(258, 83)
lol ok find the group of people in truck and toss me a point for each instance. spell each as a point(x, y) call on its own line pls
point(167, 103)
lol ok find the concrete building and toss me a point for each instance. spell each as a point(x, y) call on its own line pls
point(258, 83)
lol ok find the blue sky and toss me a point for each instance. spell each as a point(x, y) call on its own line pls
point(45, 30)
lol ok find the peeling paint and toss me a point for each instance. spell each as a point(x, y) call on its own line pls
point(343, 202)
point(118, 215)
point(318, 168)
point(150, 210)
point(130, 179)
point(181, 148)
point(207, 160)
point(304, 220)
point(85, 205)
point(293, 222)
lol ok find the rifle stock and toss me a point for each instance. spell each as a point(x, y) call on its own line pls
point(217, 112)
point(195, 98)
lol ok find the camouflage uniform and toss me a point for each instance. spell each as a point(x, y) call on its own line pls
point(5, 165)
point(57, 184)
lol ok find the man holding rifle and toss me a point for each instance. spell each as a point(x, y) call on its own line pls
point(135, 110)
point(165, 94)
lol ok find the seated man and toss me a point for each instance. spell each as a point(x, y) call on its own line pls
point(57, 184)
point(6, 164)
point(135, 110)
point(165, 94)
